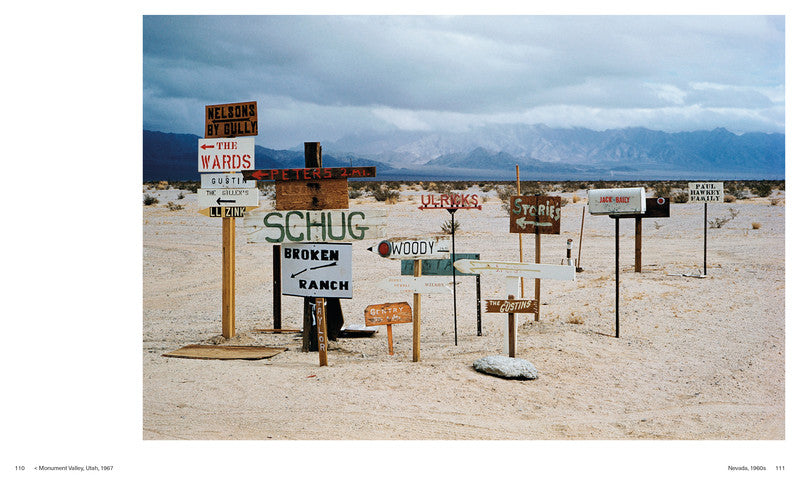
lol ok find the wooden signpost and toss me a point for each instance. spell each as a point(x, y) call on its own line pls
point(451, 202)
point(435, 247)
point(616, 202)
point(511, 306)
point(309, 174)
point(535, 214)
point(444, 267)
point(225, 149)
point(706, 192)
point(388, 314)
point(315, 226)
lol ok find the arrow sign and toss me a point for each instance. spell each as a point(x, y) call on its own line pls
point(309, 174)
point(243, 197)
point(523, 270)
point(225, 154)
point(521, 222)
point(416, 284)
point(437, 247)
point(310, 269)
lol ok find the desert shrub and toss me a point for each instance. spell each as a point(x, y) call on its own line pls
point(662, 190)
point(763, 189)
point(756, 225)
point(385, 195)
point(718, 222)
point(564, 201)
point(180, 195)
point(150, 200)
point(575, 198)
point(448, 227)
point(354, 193)
point(173, 206)
point(729, 198)
point(774, 201)
point(680, 197)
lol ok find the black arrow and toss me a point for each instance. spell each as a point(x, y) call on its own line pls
point(219, 201)
point(315, 267)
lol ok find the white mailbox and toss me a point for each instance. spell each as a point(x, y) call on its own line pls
point(617, 201)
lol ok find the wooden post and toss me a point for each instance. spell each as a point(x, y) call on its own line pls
point(276, 286)
point(580, 241)
point(522, 281)
point(416, 313)
point(638, 258)
point(228, 277)
point(705, 236)
point(616, 220)
point(478, 297)
point(452, 263)
point(322, 337)
point(389, 335)
point(512, 333)
point(537, 281)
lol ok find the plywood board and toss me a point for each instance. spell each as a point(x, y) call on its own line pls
point(225, 352)
point(311, 195)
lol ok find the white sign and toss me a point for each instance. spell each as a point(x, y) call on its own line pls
point(417, 284)
point(225, 181)
point(523, 270)
point(437, 247)
point(317, 226)
point(226, 154)
point(317, 270)
point(706, 192)
point(227, 197)
point(617, 201)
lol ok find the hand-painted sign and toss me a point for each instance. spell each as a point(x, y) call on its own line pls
point(511, 306)
point(233, 119)
point(308, 174)
point(225, 181)
point(435, 247)
point(535, 214)
point(387, 314)
point(524, 270)
point(437, 267)
point(450, 201)
point(311, 195)
point(224, 211)
point(227, 197)
point(317, 270)
point(655, 207)
point(318, 226)
point(706, 192)
point(229, 155)
point(416, 284)
point(617, 201)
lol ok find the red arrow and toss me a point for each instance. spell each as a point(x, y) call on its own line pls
point(256, 174)
point(206, 146)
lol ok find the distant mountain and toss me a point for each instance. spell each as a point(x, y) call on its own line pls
point(493, 152)
point(171, 156)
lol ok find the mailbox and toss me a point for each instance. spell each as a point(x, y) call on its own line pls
point(617, 201)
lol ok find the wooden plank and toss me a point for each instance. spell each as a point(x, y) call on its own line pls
point(225, 352)
point(315, 226)
point(437, 267)
point(278, 330)
point(232, 119)
point(226, 211)
point(308, 174)
point(322, 334)
point(512, 268)
point(416, 284)
point(416, 315)
point(388, 314)
point(511, 306)
point(316, 195)
point(532, 214)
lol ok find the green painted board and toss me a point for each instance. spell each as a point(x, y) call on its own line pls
point(437, 267)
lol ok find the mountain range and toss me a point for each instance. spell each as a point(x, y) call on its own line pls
point(493, 152)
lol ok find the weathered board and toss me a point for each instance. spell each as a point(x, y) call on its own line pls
point(198, 351)
point(437, 267)
point(315, 226)
point(318, 270)
point(531, 214)
point(230, 155)
point(308, 174)
point(225, 181)
point(523, 270)
point(511, 306)
point(654, 207)
point(434, 247)
point(239, 211)
point(232, 119)
point(316, 195)
point(387, 314)
point(416, 284)
point(627, 200)
point(450, 201)
point(706, 192)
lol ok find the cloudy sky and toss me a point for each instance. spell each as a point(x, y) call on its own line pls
point(322, 77)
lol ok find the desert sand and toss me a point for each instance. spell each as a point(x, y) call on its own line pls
point(697, 359)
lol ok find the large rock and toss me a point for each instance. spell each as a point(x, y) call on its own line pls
point(509, 367)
